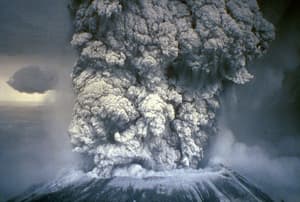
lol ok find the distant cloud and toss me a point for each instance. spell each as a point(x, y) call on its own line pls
point(33, 79)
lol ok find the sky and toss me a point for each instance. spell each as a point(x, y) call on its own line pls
point(34, 143)
point(33, 33)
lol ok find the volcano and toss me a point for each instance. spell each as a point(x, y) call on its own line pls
point(216, 183)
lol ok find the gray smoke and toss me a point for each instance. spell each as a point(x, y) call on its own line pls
point(259, 122)
point(33, 79)
point(149, 75)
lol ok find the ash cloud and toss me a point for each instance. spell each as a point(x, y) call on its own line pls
point(150, 73)
point(277, 174)
point(33, 79)
point(259, 122)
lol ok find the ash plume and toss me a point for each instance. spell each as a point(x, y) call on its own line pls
point(149, 75)
point(33, 79)
point(260, 121)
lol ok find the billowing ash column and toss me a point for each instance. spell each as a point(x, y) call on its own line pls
point(149, 74)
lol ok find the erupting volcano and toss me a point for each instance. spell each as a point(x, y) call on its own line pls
point(147, 82)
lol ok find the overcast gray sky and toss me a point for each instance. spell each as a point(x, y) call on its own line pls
point(28, 26)
point(33, 32)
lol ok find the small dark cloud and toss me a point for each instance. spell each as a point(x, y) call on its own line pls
point(33, 79)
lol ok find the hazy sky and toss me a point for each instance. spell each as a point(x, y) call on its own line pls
point(33, 33)
point(28, 26)
point(34, 141)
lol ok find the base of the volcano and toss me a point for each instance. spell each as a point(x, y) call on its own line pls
point(211, 184)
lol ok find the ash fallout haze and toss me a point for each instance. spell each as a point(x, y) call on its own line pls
point(149, 100)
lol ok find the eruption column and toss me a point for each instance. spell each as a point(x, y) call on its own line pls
point(149, 75)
